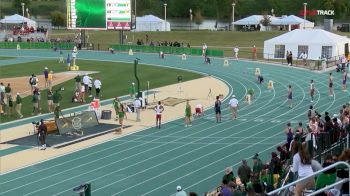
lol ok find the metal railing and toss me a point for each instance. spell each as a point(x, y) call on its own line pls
point(313, 175)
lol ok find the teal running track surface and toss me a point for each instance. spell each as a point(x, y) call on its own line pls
point(154, 161)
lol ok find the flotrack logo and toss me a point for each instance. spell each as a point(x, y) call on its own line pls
point(317, 12)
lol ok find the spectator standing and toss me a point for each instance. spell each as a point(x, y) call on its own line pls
point(287, 57)
point(302, 165)
point(257, 166)
point(180, 192)
point(132, 91)
point(50, 100)
point(290, 56)
point(233, 106)
point(8, 92)
point(254, 51)
point(50, 79)
point(35, 102)
point(19, 105)
point(68, 61)
point(137, 108)
point(244, 172)
point(236, 50)
point(86, 80)
point(290, 135)
point(188, 114)
point(77, 82)
point(57, 97)
point(304, 57)
point(10, 105)
point(46, 76)
point(97, 85)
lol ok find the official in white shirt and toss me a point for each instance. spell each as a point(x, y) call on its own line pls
point(234, 106)
point(97, 84)
point(87, 80)
point(137, 109)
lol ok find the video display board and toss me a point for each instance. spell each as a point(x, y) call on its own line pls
point(99, 14)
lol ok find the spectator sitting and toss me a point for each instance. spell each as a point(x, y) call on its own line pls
point(327, 177)
point(180, 192)
point(76, 96)
point(229, 176)
point(225, 189)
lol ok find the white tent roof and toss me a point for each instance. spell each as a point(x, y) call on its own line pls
point(148, 18)
point(252, 20)
point(289, 20)
point(15, 19)
point(309, 36)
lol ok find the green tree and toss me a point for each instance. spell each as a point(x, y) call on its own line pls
point(17, 5)
point(266, 20)
point(198, 18)
point(58, 19)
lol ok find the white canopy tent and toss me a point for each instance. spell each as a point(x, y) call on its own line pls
point(151, 23)
point(18, 19)
point(293, 20)
point(317, 43)
point(254, 20)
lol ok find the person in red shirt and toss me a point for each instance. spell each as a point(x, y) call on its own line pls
point(254, 52)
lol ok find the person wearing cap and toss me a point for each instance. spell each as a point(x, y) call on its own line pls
point(244, 172)
point(46, 76)
point(19, 105)
point(233, 106)
point(180, 192)
point(229, 176)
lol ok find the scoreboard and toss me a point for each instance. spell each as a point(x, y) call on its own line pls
point(99, 14)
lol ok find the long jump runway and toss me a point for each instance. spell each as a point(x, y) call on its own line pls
point(154, 162)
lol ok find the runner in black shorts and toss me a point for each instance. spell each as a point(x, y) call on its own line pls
point(330, 81)
point(218, 109)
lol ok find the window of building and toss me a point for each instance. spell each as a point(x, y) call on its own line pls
point(279, 51)
point(327, 52)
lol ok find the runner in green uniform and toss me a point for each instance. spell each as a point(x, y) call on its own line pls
point(121, 115)
point(116, 103)
point(188, 115)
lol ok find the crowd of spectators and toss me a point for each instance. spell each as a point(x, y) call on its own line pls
point(299, 157)
point(20, 30)
point(163, 43)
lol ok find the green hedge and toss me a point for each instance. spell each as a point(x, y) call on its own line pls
point(167, 50)
point(36, 45)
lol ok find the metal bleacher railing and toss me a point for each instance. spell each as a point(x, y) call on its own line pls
point(340, 163)
point(167, 50)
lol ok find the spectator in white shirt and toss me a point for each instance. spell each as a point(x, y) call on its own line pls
point(97, 84)
point(234, 106)
point(235, 50)
point(302, 165)
point(137, 109)
point(304, 57)
point(86, 80)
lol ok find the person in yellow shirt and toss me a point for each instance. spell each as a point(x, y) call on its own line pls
point(50, 79)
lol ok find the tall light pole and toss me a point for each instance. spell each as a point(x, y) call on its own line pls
point(27, 10)
point(233, 16)
point(22, 13)
point(165, 15)
point(190, 19)
point(305, 4)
